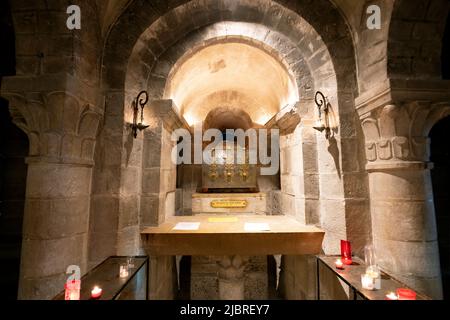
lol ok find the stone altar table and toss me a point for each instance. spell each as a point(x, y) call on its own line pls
point(228, 238)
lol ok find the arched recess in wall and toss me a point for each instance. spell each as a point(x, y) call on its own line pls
point(315, 42)
point(13, 170)
point(440, 157)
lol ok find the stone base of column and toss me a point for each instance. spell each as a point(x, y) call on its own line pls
point(231, 277)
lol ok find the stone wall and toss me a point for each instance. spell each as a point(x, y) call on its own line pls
point(392, 76)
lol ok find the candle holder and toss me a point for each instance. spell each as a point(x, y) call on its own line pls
point(123, 272)
point(375, 273)
point(72, 290)
point(96, 293)
point(368, 283)
point(346, 252)
point(339, 264)
point(130, 263)
point(406, 294)
point(391, 296)
point(139, 104)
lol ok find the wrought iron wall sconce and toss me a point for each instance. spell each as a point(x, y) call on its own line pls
point(323, 124)
point(139, 104)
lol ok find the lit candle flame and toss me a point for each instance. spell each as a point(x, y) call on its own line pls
point(392, 296)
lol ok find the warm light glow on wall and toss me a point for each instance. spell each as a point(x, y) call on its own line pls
point(231, 75)
point(191, 119)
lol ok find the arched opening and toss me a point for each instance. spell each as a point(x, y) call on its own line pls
point(256, 66)
point(230, 74)
point(224, 86)
point(440, 157)
point(13, 171)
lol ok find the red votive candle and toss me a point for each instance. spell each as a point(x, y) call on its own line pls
point(339, 264)
point(96, 293)
point(406, 294)
point(72, 290)
point(346, 252)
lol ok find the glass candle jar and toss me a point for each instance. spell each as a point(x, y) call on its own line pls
point(72, 290)
point(406, 294)
point(346, 252)
point(124, 270)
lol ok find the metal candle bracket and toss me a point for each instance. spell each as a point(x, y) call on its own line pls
point(139, 103)
point(324, 107)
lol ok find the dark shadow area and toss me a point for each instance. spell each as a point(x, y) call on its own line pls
point(13, 170)
point(334, 151)
point(440, 156)
point(184, 292)
point(8, 51)
point(13, 178)
point(446, 52)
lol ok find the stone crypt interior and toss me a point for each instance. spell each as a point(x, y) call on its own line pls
point(77, 187)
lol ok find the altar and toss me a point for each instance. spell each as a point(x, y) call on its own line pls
point(234, 238)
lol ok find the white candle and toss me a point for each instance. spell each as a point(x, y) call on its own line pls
point(391, 296)
point(376, 276)
point(367, 282)
point(339, 264)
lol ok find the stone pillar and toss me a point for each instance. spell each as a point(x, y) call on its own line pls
point(162, 279)
point(55, 227)
point(404, 225)
point(159, 173)
point(62, 130)
point(231, 278)
point(401, 196)
point(159, 189)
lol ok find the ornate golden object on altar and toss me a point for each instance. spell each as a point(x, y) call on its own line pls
point(229, 168)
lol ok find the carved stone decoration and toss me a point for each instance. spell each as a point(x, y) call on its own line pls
point(59, 126)
point(400, 133)
point(231, 277)
point(400, 147)
point(371, 151)
point(384, 148)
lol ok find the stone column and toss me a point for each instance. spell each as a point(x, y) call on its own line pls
point(403, 220)
point(231, 278)
point(162, 279)
point(159, 173)
point(62, 130)
point(404, 225)
point(55, 227)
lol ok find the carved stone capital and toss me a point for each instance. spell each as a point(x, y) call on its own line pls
point(396, 136)
point(59, 126)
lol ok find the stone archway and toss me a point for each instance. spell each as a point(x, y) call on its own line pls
point(330, 186)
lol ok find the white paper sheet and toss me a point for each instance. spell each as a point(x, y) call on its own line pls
point(187, 226)
point(257, 227)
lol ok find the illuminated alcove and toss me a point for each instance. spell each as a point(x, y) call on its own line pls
point(234, 75)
